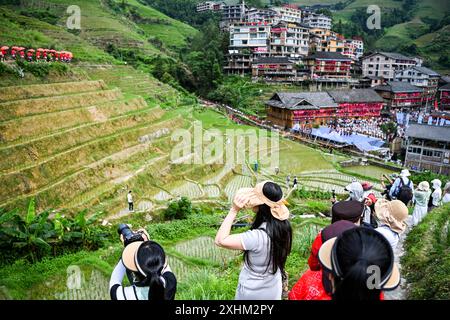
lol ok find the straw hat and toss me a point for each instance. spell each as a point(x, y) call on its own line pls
point(423, 186)
point(328, 259)
point(253, 197)
point(392, 213)
point(129, 257)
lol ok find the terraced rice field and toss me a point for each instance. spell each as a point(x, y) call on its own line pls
point(204, 248)
point(188, 189)
point(236, 183)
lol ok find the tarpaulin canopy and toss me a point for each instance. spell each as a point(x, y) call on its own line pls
point(360, 141)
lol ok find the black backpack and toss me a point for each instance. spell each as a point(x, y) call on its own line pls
point(405, 193)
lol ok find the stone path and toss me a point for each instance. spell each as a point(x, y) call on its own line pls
point(400, 293)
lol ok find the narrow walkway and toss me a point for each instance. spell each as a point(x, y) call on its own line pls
point(402, 290)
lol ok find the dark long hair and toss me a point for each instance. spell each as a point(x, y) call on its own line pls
point(279, 232)
point(151, 258)
point(356, 250)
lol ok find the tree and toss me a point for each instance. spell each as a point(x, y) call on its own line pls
point(179, 209)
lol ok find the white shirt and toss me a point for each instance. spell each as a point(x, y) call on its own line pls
point(446, 198)
point(390, 235)
point(130, 197)
point(436, 196)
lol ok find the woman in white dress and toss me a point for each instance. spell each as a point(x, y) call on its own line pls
point(421, 197)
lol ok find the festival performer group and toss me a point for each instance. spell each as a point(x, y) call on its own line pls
point(30, 54)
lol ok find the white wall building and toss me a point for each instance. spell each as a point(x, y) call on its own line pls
point(288, 14)
point(385, 64)
point(315, 20)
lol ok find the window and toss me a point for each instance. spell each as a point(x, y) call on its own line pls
point(428, 153)
point(437, 154)
point(414, 150)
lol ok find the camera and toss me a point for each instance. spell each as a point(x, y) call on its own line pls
point(333, 194)
point(129, 235)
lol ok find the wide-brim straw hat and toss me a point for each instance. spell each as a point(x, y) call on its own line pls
point(424, 186)
point(392, 213)
point(253, 197)
point(327, 257)
point(129, 257)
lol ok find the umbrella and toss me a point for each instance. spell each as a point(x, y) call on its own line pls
point(15, 48)
point(40, 49)
point(20, 48)
point(4, 48)
point(31, 50)
point(53, 51)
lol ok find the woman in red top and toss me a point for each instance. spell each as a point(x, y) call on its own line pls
point(311, 285)
point(341, 211)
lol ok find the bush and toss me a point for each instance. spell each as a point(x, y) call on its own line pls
point(33, 235)
point(179, 209)
point(428, 176)
point(42, 69)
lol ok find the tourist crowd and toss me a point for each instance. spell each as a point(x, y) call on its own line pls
point(30, 54)
point(361, 239)
point(370, 127)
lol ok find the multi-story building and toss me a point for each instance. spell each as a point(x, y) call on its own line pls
point(400, 96)
point(289, 39)
point(308, 108)
point(210, 6)
point(428, 148)
point(326, 40)
point(238, 63)
point(261, 15)
point(248, 40)
point(444, 97)
point(251, 36)
point(276, 69)
point(421, 77)
point(328, 65)
point(288, 14)
point(315, 20)
point(349, 49)
point(385, 64)
point(359, 47)
point(232, 14)
point(353, 48)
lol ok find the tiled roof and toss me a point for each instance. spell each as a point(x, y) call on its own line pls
point(355, 95)
point(328, 56)
point(302, 100)
point(398, 86)
point(429, 132)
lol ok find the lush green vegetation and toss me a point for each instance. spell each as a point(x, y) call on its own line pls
point(427, 258)
point(34, 236)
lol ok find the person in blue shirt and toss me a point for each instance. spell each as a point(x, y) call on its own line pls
point(401, 180)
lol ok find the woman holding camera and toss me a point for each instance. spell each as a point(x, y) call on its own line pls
point(266, 245)
point(151, 276)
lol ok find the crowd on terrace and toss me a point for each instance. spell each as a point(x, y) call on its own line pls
point(30, 54)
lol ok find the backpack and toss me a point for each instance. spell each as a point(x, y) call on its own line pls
point(404, 193)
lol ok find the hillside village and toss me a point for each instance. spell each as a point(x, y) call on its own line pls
point(291, 45)
point(90, 119)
